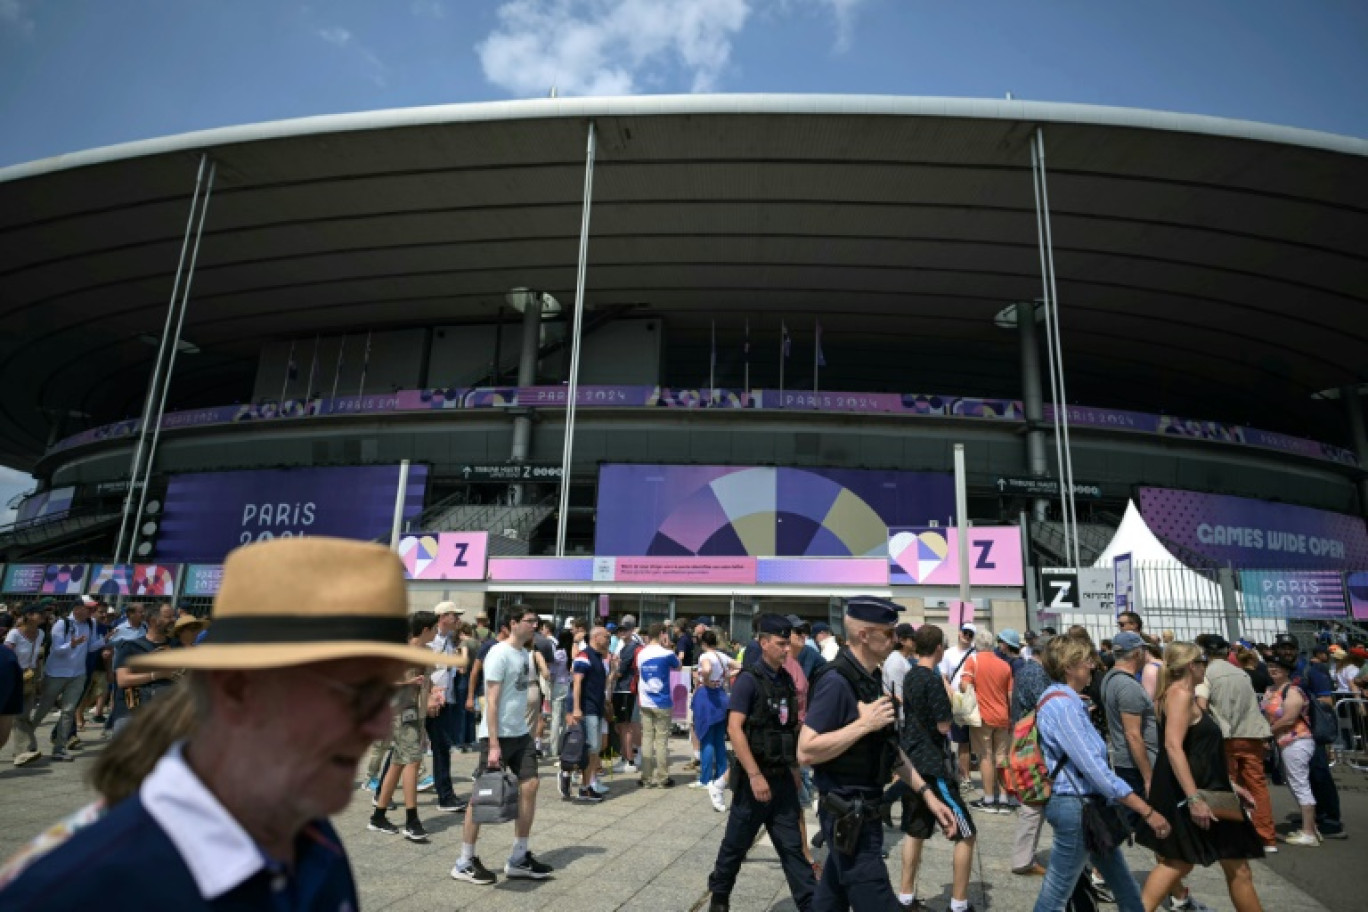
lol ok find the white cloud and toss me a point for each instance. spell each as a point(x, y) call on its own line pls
point(12, 482)
point(12, 15)
point(616, 47)
point(610, 47)
point(341, 38)
point(431, 9)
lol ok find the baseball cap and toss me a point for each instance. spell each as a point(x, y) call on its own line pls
point(90, 602)
point(793, 619)
point(610, 626)
point(1285, 639)
point(968, 628)
point(628, 621)
point(1213, 642)
point(1010, 637)
point(821, 627)
point(1127, 640)
point(905, 631)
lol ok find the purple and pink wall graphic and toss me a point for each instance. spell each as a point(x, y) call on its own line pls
point(683, 511)
point(1256, 533)
point(929, 556)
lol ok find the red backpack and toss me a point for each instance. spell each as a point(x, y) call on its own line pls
point(1026, 777)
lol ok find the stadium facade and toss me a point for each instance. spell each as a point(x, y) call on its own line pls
point(794, 307)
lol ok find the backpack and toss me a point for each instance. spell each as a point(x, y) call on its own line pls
point(574, 749)
point(1319, 718)
point(1026, 776)
point(627, 660)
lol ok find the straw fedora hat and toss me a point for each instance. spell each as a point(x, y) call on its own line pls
point(292, 601)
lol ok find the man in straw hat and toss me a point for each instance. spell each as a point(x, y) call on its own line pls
point(301, 667)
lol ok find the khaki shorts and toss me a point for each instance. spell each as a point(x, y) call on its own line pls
point(991, 742)
point(408, 742)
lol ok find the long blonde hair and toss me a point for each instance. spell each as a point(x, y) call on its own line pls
point(1177, 658)
point(134, 751)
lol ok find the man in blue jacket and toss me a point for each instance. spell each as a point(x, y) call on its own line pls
point(307, 649)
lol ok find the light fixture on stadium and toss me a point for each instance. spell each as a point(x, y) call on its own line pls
point(519, 298)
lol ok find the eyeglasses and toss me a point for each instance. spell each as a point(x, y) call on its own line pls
point(363, 700)
point(529, 620)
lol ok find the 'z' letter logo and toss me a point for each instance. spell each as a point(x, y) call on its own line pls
point(985, 547)
point(460, 560)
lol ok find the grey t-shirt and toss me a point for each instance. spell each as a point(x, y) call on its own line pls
point(512, 669)
point(1123, 694)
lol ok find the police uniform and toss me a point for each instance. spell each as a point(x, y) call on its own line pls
point(852, 783)
point(769, 700)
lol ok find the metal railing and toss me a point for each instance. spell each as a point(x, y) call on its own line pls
point(1352, 749)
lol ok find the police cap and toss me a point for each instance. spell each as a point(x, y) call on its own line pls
point(872, 610)
point(774, 624)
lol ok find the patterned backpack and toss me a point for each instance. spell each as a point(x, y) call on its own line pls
point(1027, 777)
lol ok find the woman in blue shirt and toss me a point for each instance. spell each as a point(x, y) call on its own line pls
point(1067, 734)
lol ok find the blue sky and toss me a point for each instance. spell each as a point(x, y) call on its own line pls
point(75, 74)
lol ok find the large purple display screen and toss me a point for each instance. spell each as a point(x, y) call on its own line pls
point(678, 510)
point(209, 514)
point(1256, 533)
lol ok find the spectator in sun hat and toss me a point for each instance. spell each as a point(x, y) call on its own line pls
point(301, 666)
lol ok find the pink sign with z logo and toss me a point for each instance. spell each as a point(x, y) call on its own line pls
point(444, 555)
point(929, 556)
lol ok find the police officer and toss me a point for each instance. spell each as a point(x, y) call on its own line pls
point(762, 723)
point(850, 740)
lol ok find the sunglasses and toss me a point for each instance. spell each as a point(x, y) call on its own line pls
point(363, 700)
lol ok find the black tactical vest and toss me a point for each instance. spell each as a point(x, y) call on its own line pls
point(771, 728)
point(868, 762)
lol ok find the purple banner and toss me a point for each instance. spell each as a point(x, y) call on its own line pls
point(1357, 585)
point(828, 571)
point(209, 514)
point(541, 569)
point(1255, 533)
point(908, 404)
point(670, 510)
point(1306, 595)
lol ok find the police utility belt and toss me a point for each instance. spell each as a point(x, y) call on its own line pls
point(848, 815)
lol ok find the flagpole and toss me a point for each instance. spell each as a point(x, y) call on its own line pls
point(783, 356)
point(313, 369)
point(365, 365)
point(337, 374)
point(712, 367)
point(747, 353)
point(285, 385)
point(816, 355)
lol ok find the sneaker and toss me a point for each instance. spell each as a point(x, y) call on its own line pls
point(1301, 838)
point(62, 755)
point(563, 785)
point(716, 794)
point(380, 824)
point(1189, 903)
point(624, 767)
point(455, 807)
point(474, 872)
point(99, 717)
point(1270, 850)
point(26, 758)
point(984, 807)
point(426, 784)
point(372, 785)
point(668, 783)
point(1005, 807)
point(589, 796)
point(1036, 869)
point(528, 867)
point(414, 832)
point(598, 787)
point(698, 784)
point(1332, 834)
point(73, 742)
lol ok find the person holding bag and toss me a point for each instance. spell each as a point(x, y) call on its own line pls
point(1081, 808)
point(1191, 786)
point(1286, 707)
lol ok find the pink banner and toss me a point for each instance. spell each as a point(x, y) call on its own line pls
point(445, 555)
point(832, 571)
point(705, 570)
point(929, 556)
point(541, 569)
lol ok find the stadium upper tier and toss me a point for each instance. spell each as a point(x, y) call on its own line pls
point(1206, 267)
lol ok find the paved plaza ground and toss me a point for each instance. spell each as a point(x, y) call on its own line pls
point(651, 851)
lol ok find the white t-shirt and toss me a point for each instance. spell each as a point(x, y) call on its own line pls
point(950, 661)
point(28, 651)
point(512, 669)
point(1344, 678)
point(895, 669)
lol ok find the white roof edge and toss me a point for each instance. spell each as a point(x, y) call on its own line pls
point(665, 105)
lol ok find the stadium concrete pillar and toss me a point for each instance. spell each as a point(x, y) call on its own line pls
point(160, 385)
point(527, 376)
point(1353, 408)
point(1033, 401)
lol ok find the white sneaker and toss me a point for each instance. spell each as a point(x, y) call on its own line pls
point(1301, 838)
point(698, 785)
point(624, 768)
point(716, 793)
point(598, 787)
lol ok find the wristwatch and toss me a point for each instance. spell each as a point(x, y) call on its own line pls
point(926, 787)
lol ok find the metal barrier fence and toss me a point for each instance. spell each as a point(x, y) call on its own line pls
point(1352, 749)
point(1188, 602)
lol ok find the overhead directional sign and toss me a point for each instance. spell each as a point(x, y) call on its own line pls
point(1044, 487)
point(513, 471)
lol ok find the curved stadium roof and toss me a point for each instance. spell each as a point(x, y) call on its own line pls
point(1208, 267)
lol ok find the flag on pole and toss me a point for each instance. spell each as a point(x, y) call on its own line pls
point(337, 374)
point(786, 347)
point(365, 364)
point(313, 370)
point(291, 373)
point(821, 358)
